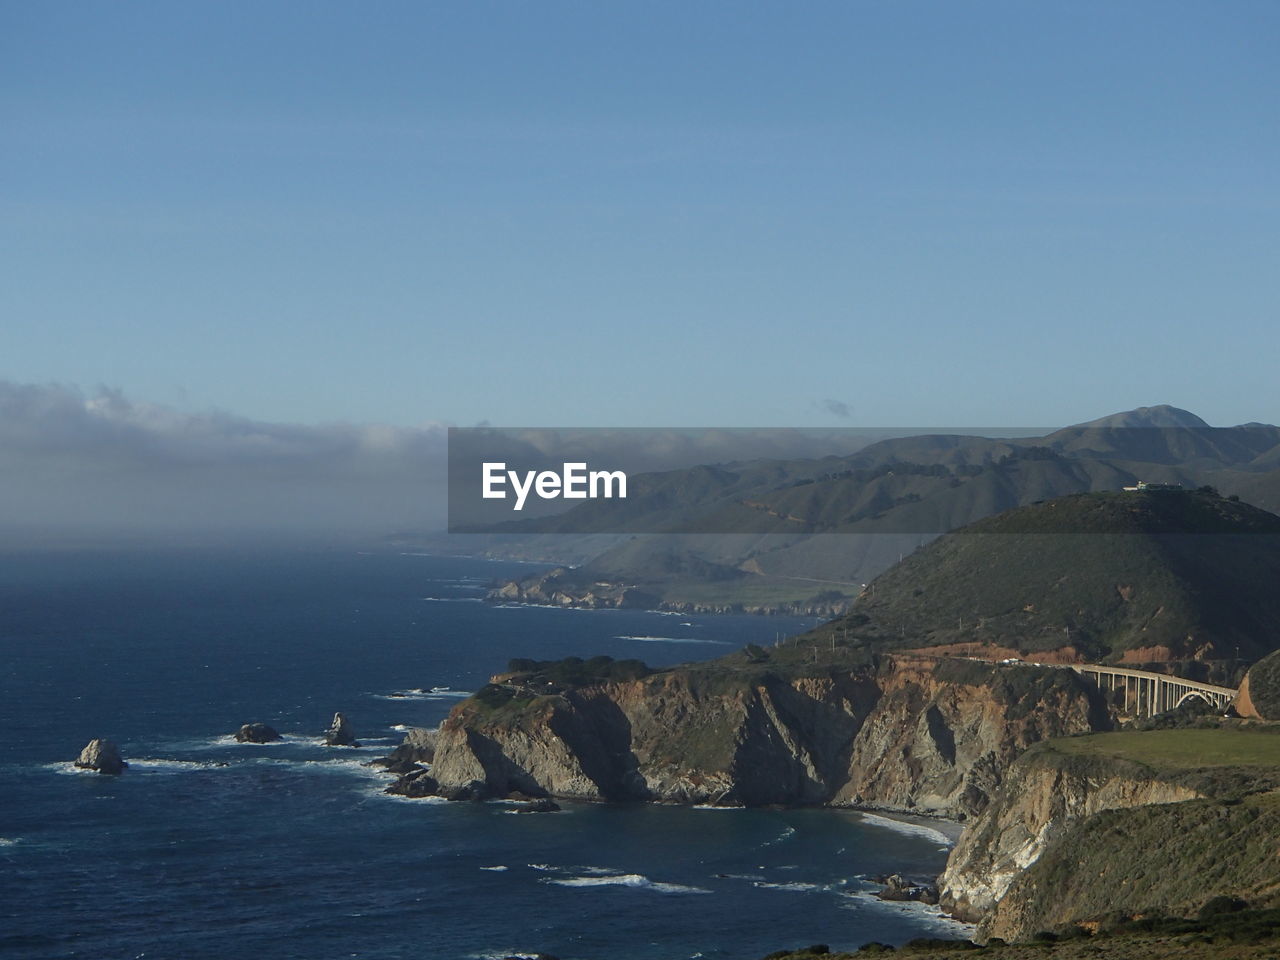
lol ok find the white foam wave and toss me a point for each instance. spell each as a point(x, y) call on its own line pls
point(498, 868)
point(713, 806)
point(8, 841)
point(635, 881)
point(907, 828)
point(721, 643)
point(454, 599)
point(167, 765)
point(933, 915)
point(786, 834)
point(401, 798)
point(797, 886)
point(417, 693)
point(68, 768)
point(229, 740)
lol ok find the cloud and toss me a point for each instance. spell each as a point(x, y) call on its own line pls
point(836, 408)
point(100, 462)
point(100, 459)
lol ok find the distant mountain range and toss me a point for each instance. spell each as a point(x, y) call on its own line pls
point(797, 534)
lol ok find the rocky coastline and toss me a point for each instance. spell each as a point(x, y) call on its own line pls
point(905, 735)
point(555, 590)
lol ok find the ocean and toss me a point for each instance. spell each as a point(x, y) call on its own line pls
point(205, 848)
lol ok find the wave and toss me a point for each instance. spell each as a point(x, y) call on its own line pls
point(68, 768)
point(635, 881)
point(800, 887)
point(229, 740)
point(401, 798)
point(552, 606)
point(498, 868)
point(909, 829)
point(9, 841)
point(786, 834)
point(722, 643)
point(713, 806)
point(455, 599)
point(167, 765)
point(933, 915)
point(576, 868)
point(418, 693)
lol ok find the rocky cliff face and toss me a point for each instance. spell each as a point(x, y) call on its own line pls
point(1041, 800)
point(908, 734)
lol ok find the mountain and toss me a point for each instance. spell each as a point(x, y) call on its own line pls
point(1137, 577)
point(783, 534)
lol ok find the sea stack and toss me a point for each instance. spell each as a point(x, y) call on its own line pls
point(340, 733)
point(257, 733)
point(102, 756)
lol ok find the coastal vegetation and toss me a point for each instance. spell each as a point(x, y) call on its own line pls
point(1226, 929)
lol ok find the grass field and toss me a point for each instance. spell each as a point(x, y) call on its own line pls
point(1182, 748)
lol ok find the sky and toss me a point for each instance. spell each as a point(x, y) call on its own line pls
point(312, 215)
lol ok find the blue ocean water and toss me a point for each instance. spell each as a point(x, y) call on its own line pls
point(206, 848)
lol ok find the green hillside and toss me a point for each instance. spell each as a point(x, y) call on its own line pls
point(1180, 575)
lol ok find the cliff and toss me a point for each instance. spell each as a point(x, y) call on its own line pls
point(1091, 830)
point(900, 732)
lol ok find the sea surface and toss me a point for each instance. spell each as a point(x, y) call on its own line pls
point(206, 848)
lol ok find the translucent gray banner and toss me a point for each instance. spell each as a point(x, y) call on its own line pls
point(1184, 479)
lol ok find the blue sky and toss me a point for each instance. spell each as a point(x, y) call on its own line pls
point(644, 213)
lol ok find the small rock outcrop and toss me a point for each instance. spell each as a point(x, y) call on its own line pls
point(257, 733)
point(417, 783)
point(417, 750)
point(541, 805)
point(899, 888)
point(102, 756)
point(340, 733)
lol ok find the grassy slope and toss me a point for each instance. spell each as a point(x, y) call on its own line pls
point(1163, 859)
point(1180, 749)
point(1104, 573)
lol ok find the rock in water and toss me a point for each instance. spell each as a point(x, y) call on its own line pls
point(540, 805)
point(340, 733)
point(256, 733)
point(417, 783)
point(898, 887)
point(103, 756)
point(418, 748)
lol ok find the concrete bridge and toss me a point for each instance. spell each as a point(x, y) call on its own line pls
point(1138, 693)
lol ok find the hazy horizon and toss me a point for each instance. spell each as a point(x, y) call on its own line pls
point(257, 257)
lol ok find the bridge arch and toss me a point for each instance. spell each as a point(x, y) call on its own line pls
point(1197, 694)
